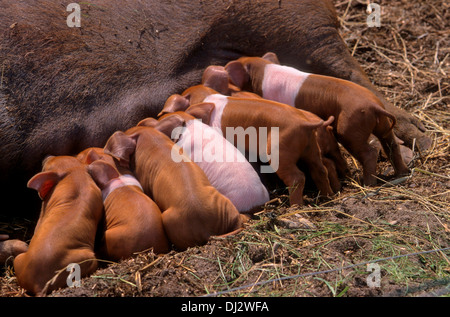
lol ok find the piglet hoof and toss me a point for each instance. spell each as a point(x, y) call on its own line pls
point(320, 199)
point(403, 174)
point(11, 248)
point(327, 197)
point(370, 183)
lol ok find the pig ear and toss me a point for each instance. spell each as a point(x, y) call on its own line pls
point(44, 182)
point(237, 73)
point(167, 124)
point(216, 77)
point(102, 172)
point(91, 156)
point(271, 57)
point(201, 111)
point(121, 146)
point(175, 103)
point(148, 122)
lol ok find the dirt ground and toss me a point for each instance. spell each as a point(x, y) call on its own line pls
point(401, 226)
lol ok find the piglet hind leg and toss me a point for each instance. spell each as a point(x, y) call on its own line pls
point(40, 280)
point(332, 174)
point(318, 170)
point(115, 245)
point(294, 179)
point(87, 262)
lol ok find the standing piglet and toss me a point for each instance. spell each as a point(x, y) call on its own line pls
point(132, 220)
point(226, 168)
point(277, 133)
point(216, 77)
point(66, 229)
point(357, 111)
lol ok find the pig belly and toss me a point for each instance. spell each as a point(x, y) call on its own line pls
point(225, 167)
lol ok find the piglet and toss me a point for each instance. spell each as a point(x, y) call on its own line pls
point(332, 158)
point(192, 209)
point(216, 77)
point(66, 229)
point(280, 133)
point(226, 168)
point(357, 111)
point(133, 220)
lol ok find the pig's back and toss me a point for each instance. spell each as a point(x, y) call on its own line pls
point(225, 166)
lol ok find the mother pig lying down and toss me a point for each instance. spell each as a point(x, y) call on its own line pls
point(224, 165)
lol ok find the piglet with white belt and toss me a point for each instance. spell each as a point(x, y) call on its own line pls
point(192, 209)
point(357, 111)
point(133, 221)
point(279, 134)
point(225, 166)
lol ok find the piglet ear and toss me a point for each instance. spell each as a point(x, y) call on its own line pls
point(102, 172)
point(216, 77)
point(44, 182)
point(121, 146)
point(237, 73)
point(167, 125)
point(148, 122)
point(89, 157)
point(201, 111)
point(175, 103)
point(271, 57)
